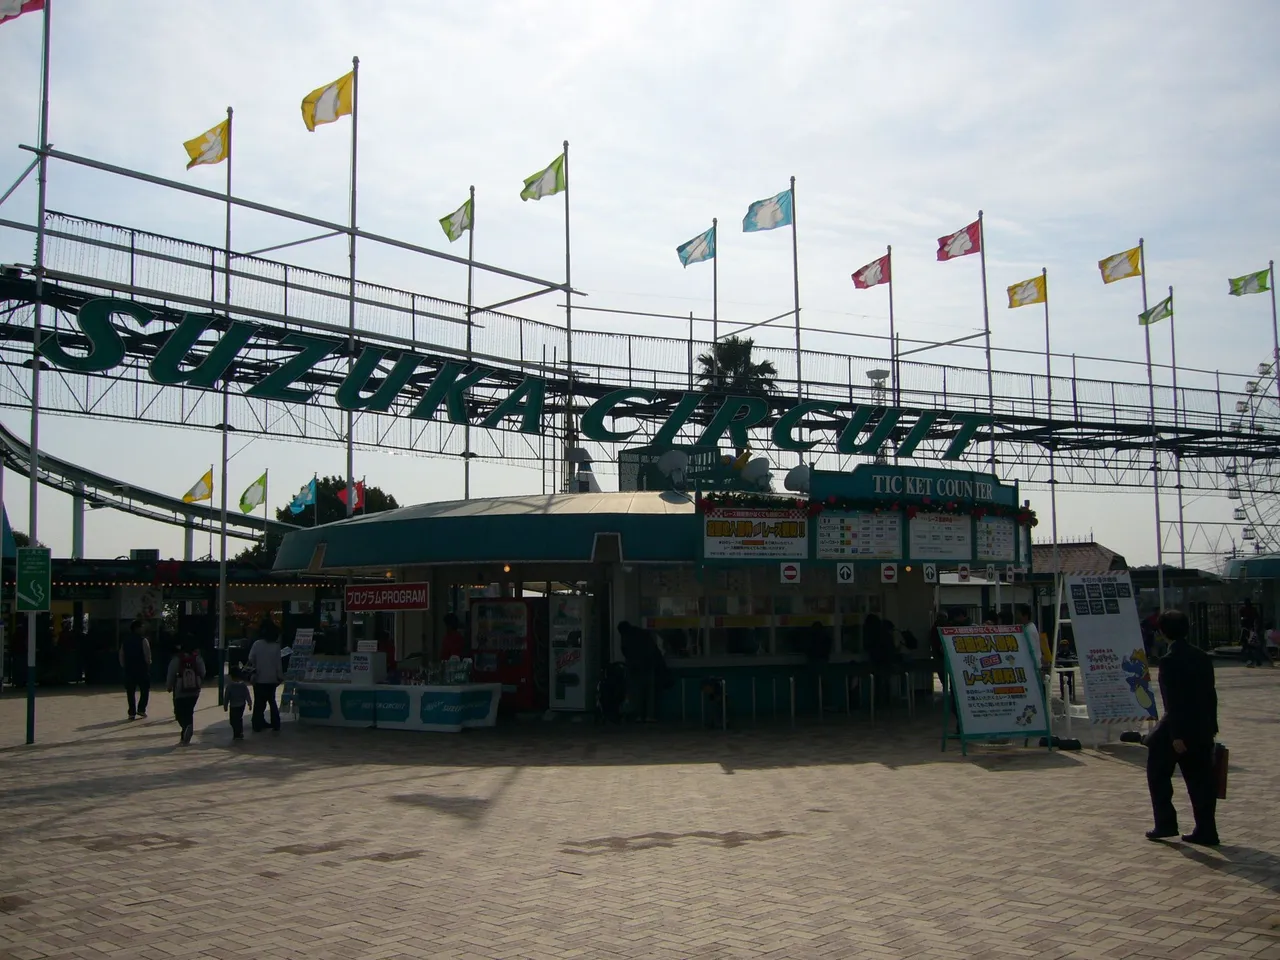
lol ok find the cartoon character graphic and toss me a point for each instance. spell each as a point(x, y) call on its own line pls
point(1138, 676)
point(1027, 716)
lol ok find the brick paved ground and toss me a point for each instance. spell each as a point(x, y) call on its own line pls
point(848, 839)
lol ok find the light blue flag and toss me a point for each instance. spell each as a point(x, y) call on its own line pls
point(702, 247)
point(767, 214)
point(304, 497)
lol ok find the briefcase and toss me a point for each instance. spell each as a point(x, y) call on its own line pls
point(1221, 756)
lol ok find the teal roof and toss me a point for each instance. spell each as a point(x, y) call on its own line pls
point(558, 527)
point(1262, 566)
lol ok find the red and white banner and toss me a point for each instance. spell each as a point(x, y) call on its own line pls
point(961, 243)
point(385, 597)
point(877, 271)
point(359, 488)
point(11, 9)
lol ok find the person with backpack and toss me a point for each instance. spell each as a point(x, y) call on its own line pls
point(268, 672)
point(186, 671)
point(135, 661)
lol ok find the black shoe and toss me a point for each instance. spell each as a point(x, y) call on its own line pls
point(1200, 839)
point(142, 714)
point(1162, 834)
point(132, 717)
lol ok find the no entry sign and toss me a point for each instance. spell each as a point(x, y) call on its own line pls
point(888, 573)
point(383, 597)
point(789, 572)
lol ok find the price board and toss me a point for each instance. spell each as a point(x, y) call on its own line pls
point(997, 538)
point(874, 536)
point(940, 536)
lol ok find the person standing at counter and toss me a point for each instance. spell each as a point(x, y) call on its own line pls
point(264, 661)
point(454, 641)
point(641, 655)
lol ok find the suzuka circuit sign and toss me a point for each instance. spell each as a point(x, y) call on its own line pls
point(385, 597)
point(857, 428)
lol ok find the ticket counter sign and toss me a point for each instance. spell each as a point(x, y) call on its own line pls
point(388, 597)
point(992, 671)
point(733, 533)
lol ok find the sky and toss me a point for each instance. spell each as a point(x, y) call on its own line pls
point(1077, 128)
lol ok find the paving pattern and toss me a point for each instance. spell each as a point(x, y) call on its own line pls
point(848, 838)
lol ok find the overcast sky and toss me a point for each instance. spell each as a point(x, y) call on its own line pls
point(1077, 127)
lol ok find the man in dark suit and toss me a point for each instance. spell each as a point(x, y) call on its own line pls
point(1184, 738)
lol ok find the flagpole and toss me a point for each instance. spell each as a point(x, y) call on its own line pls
point(568, 316)
point(266, 482)
point(1177, 458)
point(986, 329)
point(1275, 327)
point(37, 324)
point(1053, 479)
point(471, 259)
point(1155, 436)
point(364, 494)
point(893, 338)
point(715, 304)
point(226, 416)
point(315, 501)
point(351, 291)
point(795, 284)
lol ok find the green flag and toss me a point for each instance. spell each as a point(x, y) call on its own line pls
point(1160, 311)
point(255, 495)
point(458, 222)
point(545, 183)
point(1259, 282)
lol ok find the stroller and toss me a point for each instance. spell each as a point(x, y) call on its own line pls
point(611, 693)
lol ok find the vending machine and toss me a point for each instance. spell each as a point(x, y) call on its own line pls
point(571, 661)
point(509, 646)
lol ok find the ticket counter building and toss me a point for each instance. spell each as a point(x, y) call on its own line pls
point(735, 585)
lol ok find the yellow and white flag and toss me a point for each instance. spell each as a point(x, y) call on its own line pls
point(212, 146)
point(328, 103)
point(1027, 292)
point(1120, 266)
point(203, 490)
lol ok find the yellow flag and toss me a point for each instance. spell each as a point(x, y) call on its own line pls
point(203, 490)
point(1121, 265)
point(1027, 292)
point(212, 146)
point(329, 102)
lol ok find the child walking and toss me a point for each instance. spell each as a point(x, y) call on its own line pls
point(235, 699)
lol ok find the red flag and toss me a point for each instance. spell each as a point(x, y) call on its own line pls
point(961, 243)
point(12, 9)
point(877, 271)
point(359, 487)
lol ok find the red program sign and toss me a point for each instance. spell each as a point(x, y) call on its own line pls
point(383, 597)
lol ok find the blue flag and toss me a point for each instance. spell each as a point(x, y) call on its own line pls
point(304, 498)
point(768, 214)
point(702, 247)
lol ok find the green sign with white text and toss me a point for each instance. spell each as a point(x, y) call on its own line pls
point(34, 585)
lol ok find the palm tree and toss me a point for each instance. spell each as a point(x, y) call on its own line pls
point(729, 368)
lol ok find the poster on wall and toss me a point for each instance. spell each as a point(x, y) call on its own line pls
point(299, 667)
point(140, 603)
point(742, 533)
point(940, 536)
point(997, 690)
point(866, 534)
point(1113, 660)
point(997, 538)
point(569, 679)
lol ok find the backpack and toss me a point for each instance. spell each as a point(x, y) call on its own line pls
point(188, 677)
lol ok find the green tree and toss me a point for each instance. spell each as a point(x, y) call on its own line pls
point(328, 509)
point(729, 368)
point(20, 539)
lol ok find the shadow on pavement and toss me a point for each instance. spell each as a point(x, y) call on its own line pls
point(1247, 863)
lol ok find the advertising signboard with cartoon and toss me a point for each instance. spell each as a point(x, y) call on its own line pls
point(1113, 661)
point(997, 690)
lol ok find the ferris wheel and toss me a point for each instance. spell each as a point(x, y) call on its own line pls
point(1255, 484)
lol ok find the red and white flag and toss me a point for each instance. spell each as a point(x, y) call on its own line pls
point(359, 488)
point(877, 271)
point(961, 243)
point(11, 9)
